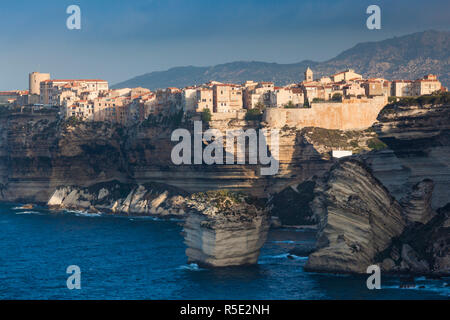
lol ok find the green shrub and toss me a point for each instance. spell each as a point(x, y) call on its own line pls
point(260, 106)
point(354, 144)
point(376, 144)
point(392, 99)
point(73, 121)
point(337, 97)
point(433, 99)
point(253, 114)
point(289, 105)
point(206, 115)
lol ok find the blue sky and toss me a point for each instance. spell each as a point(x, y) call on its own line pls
point(122, 39)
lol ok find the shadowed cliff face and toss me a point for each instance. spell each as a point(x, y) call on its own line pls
point(421, 248)
point(419, 141)
point(38, 154)
point(148, 152)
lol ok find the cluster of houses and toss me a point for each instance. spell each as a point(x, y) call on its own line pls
point(92, 100)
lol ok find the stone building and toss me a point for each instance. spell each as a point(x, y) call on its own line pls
point(227, 98)
point(281, 97)
point(258, 93)
point(427, 85)
point(346, 75)
point(402, 88)
point(353, 90)
point(51, 89)
point(309, 75)
point(373, 87)
point(189, 99)
point(204, 100)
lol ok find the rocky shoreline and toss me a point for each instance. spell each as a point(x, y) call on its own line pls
point(117, 197)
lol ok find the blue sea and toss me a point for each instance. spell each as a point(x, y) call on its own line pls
point(144, 258)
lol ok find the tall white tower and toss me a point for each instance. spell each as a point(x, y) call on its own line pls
point(308, 75)
point(35, 79)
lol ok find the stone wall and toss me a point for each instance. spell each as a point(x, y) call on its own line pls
point(226, 116)
point(351, 114)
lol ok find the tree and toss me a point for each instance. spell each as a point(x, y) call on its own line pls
point(289, 105)
point(206, 115)
point(337, 97)
point(260, 106)
point(253, 114)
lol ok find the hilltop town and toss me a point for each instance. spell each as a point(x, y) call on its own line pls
point(332, 102)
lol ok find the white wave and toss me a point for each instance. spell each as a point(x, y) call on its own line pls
point(283, 241)
point(80, 213)
point(288, 242)
point(153, 218)
point(29, 212)
point(190, 267)
point(278, 256)
point(285, 256)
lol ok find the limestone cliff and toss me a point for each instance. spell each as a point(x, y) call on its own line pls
point(417, 204)
point(117, 197)
point(418, 140)
point(361, 224)
point(39, 153)
point(148, 149)
point(224, 229)
point(357, 219)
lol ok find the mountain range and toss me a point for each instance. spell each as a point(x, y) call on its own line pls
point(406, 57)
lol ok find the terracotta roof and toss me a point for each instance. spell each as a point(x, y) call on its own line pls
point(74, 80)
point(226, 85)
point(8, 93)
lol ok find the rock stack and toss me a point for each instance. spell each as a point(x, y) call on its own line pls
point(224, 229)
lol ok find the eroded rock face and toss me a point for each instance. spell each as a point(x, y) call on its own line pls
point(421, 248)
point(224, 229)
point(361, 224)
point(116, 197)
point(357, 219)
point(417, 204)
point(39, 153)
point(418, 138)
